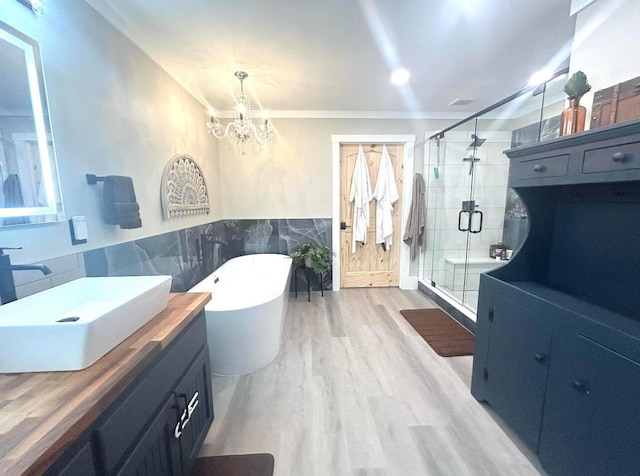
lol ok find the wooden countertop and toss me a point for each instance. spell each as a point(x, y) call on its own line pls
point(41, 414)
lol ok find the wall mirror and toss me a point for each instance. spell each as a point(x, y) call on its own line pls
point(30, 189)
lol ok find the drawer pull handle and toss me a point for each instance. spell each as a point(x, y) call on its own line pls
point(538, 357)
point(582, 386)
point(186, 414)
point(618, 157)
point(538, 168)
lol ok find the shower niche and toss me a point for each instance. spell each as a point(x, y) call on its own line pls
point(557, 349)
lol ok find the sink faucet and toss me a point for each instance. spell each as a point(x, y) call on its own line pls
point(7, 285)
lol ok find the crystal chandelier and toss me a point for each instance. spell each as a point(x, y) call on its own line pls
point(242, 131)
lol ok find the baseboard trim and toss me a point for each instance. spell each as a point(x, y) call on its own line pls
point(447, 307)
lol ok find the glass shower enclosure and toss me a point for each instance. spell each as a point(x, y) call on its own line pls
point(472, 216)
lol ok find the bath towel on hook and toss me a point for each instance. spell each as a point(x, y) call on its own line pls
point(360, 195)
point(414, 234)
point(120, 206)
point(386, 194)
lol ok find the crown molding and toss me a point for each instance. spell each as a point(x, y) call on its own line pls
point(300, 114)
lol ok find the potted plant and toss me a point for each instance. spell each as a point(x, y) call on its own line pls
point(573, 118)
point(315, 257)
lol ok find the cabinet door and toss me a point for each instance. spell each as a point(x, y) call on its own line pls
point(157, 452)
point(591, 419)
point(517, 363)
point(195, 401)
point(120, 427)
point(75, 461)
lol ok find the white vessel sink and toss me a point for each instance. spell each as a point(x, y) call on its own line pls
point(71, 326)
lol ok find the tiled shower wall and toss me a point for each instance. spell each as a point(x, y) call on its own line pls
point(180, 253)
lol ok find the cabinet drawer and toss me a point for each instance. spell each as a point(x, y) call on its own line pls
point(556, 166)
point(612, 159)
point(132, 414)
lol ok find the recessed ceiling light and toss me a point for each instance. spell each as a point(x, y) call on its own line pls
point(461, 102)
point(400, 76)
point(540, 77)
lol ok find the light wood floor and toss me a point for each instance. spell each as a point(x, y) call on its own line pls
point(355, 391)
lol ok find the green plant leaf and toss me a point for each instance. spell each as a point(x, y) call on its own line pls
point(318, 255)
point(577, 85)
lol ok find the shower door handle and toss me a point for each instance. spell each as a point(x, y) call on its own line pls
point(460, 220)
point(479, 226)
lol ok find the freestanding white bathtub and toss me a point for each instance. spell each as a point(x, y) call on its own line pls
point(246, 314)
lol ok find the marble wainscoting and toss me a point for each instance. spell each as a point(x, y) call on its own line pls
point(191, 254)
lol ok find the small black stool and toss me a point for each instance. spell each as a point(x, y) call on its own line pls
point(307, 274)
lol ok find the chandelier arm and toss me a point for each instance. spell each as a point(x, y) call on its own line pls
point(265, 133)
point(216, 135)
point(255, 134)
point(227, 129)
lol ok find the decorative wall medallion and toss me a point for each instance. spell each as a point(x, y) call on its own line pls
point(184, 190)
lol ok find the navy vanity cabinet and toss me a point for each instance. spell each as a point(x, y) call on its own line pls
point(172, 441)
point(157, 425)
point(512, 373)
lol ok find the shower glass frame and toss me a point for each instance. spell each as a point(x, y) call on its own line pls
point(454, 257)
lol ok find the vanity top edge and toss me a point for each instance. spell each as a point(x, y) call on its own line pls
point(67, 403)
point(611, 131)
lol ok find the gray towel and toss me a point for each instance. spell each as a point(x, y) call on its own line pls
point(414, 234)
point(119, 202)
point(12, 192)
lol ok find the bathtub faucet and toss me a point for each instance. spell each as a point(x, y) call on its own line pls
point(207, 240)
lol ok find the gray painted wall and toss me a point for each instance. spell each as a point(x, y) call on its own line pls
point(292, 179)
point(113, 111)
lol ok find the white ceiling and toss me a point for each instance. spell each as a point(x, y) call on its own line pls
point(318, 56)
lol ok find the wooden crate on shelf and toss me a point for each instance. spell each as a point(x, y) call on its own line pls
point(618, 103)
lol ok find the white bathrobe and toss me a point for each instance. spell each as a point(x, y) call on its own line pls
point(360, 195)
point(386, 193)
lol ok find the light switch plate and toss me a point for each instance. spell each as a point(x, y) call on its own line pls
point(78, 228)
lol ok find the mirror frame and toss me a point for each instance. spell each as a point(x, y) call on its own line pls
point(53, 211)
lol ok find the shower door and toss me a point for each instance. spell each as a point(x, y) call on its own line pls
point(469, 206)
point(467, 177)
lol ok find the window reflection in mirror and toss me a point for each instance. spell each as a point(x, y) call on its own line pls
point(30, 191)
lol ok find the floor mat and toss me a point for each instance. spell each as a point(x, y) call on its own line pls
point(260, 464)
point(440, 331)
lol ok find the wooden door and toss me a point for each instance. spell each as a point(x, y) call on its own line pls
point(370, 265)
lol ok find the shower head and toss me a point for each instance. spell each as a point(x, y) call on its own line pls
point(476, 142)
